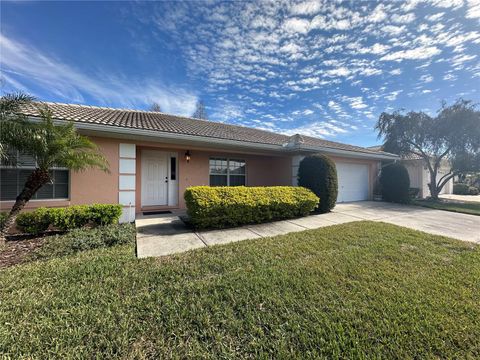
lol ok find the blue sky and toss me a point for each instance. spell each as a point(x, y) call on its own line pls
point(323, 69)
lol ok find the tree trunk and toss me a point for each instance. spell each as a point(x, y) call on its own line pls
point(34, 182)
point(433, 185)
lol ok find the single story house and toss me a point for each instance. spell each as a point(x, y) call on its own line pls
point(154, 157)
point(420, 175)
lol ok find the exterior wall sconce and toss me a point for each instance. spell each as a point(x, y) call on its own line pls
point(187, 156)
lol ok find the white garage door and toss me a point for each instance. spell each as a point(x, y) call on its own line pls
point(352, 182)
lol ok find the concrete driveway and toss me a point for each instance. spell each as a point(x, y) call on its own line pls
point(439, 222)
point(166, 234)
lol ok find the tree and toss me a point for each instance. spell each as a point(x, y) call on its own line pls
point(155, 107)
point(50, 144)
point(453, 135)
point(9, 110)
point(200, 112)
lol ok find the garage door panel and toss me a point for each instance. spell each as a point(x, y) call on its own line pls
point(352, 182)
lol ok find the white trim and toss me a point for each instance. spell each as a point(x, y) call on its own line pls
point(126, 197)
point(127, 151)
point(127, 166)
point(126, 181)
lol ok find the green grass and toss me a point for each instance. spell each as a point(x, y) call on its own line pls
point(358, 290)
point(465, 208)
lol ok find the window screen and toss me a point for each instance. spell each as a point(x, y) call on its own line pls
point(13, 178)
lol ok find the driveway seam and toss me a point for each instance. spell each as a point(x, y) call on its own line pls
point(291, 222)
point(253, 231)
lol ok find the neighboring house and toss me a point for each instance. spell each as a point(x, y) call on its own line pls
point(420, 175)
point(154, 157)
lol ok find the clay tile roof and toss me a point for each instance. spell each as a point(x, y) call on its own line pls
point(157, 121)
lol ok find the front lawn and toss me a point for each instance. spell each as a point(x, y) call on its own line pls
point(358, 290)
point(465, 208)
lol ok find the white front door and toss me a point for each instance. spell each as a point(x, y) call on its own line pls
point(154, 178)
point(352, 182)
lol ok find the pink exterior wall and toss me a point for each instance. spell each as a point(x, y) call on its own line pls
point(88, 186)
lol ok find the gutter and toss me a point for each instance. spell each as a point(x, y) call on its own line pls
point(340, 152)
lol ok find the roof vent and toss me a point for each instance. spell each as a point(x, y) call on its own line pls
point(294, 141)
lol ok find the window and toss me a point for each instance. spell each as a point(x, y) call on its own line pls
point(173, 168)
point(12, 180)
point(227, 172)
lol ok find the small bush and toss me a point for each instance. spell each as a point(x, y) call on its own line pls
point(218, 207)
point(104, 214)
point(68, 218)
point(460, 189)
point(86, 239)
point(319, 174)
point(413, 192)
point(395, 183)
point(3, 218)
point(34, 222)
point(472, 190)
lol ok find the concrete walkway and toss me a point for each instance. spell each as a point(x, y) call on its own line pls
point(166, 234)
point(461, 198)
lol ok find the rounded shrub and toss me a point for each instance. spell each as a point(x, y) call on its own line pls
point(395, 183)
point(319, 174)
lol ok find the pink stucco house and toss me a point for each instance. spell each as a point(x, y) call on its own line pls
point(154, 157)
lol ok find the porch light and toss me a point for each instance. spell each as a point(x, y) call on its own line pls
point(187, 156)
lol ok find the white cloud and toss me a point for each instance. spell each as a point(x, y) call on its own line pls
point(66, 82)
point(297, 25)
point(449, 77)
point(319, 129)
point(435, 17)
point(306, 8)
point(355, 102)
point(378, 14)
point(426, 78)
point(393, 30)
point(403, 19)
point(393, 95)
point(454, 4)
point(473, 11)
point(396, 72)
point(419, 53)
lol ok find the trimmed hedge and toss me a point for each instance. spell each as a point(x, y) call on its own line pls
point(72, 217)
point(464, 189)
point(460, 189)
point(219, 207)
point(319, 174)
point(395, 183)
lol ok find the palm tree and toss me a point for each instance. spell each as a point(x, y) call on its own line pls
point(50, 144)
point(11, 120)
